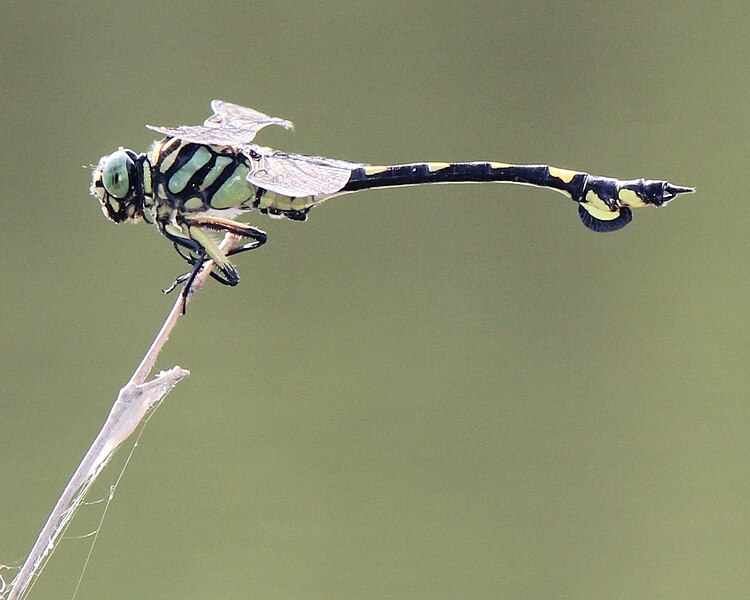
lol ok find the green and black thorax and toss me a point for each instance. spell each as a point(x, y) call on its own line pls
point(177, 179)
point(198, 179)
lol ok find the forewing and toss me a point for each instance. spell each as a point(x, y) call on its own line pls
point(233, 116)
point(296, 175)
point(230, 125)
point(288, 174)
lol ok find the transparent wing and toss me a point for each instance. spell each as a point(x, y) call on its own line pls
point(296, 175)
point(230, 125)
point(288, 174)
point(233, 116)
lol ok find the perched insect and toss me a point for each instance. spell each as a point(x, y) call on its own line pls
point(199, 178)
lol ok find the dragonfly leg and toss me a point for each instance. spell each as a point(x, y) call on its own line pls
point(189, 258)
point(195, 246)
point(192, 260)
point(245, 247)
point(257, 237)
point(191, 279)
point(210, 249)
point(228, 275)
point(197, 263)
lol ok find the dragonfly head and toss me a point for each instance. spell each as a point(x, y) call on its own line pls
point(117, 182)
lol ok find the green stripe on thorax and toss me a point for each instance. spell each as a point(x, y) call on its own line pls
point(179, 179)
point(235, 191)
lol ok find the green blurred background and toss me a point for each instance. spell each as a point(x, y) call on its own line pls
point(445, 392)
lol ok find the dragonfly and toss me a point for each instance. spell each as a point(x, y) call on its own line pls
point(194, 183)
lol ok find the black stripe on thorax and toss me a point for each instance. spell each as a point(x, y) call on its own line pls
point(222, 178)
point(185, 153)
point(196, 181)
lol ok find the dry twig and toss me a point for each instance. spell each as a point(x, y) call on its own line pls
point(135, 400)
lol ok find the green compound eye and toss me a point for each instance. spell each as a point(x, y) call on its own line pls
point(116, 174)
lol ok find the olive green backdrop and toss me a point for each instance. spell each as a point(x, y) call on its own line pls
point(445, 392)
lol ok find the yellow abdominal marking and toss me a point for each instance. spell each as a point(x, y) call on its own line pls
point(562, 174)
point(437, 166)
point(499, 165)
point(373, 170)
point(630, 198)
point(597, 213)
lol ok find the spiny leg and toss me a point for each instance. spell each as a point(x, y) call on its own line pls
point(245, 247)
point(257, 236)
point(194, 246)
point(199, 245)
point(191, 279)
point(198, 224)
point(194, 260)
point(189, 259)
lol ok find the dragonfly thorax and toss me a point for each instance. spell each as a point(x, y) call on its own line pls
point(118, 184)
